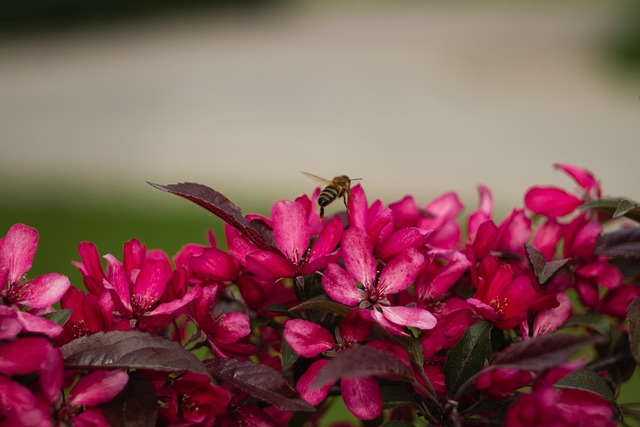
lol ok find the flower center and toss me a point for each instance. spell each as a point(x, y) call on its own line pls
point(499, 305)
point(140, 304)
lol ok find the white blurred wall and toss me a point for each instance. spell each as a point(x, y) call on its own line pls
point(418, 99)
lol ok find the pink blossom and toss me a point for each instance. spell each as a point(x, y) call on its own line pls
point(89, 314)
point(395, 277)
point(17, 250)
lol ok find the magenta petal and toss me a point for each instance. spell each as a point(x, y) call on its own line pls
point(290, 229)
point(357, 253)
point(51, 375)
point(582, 177)
point(46, 290)
point(486, 311)
point(213, 264)
point(19, 407)
point(550, 320)
point(401, 271)
point(396, 242)
point(172, 306)
point(362, 396)
point(97, 387)
point(551, 202)
point(269, 265)
point(307, 338)
point(514, 232)
point(151, 281)
point(116, 280)
point(313, 396)
point(328, 239)
point(17, 250)
point(91, 267)
point(444, 207)
point(357, 208)
point(410, 316)
point(339, 285)
point(390, 327)
point(602, 273)
point(485, 237)
point(233, 327)
point(10, 326)
point(38, 325)
point(24, 355)
point(357, 325)
point(547, 237)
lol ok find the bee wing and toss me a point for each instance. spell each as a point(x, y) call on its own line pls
point(317, 179)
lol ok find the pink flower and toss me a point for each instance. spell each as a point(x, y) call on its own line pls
point(549, 406)
point(89, 314)
point(503, 298)
point(548, 321)
point(90, 391)
point(292, 236)
point(144, 288)
point(395, 277)
point(20, 407)
point(227, 333)
point(191, 400)
point(17, 250)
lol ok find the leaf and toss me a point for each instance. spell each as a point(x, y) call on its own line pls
point(360, 362)
point(218, 204)
point(544, 271)
point(623, 243)
point(396, 396)
point(260, 381)
point(325, 305)
point(633, 315)
point(135, 406)
point(592, 321)
point(129, 349)
point(587, 380)
point(615, 207)
point(287, 355)
point(543, 351)
point(468, 356)
point(59, 316)
point(396, 423)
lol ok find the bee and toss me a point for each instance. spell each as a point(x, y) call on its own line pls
point(340, 186)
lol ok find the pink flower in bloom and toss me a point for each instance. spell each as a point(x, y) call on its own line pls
point(191, 400)
point(395, 277)
point(503, 298)
point(17, 250)
point(548, 321)
point(362, 396)
point(547, 406)
point(89, 314)
point(20, 407)
point(292, 236)
point(144, 287)
point(90, 391)
point(227, 333)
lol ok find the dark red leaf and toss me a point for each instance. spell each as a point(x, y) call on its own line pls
point(633, 315)
point(216, 203)
point(544, 271)
point(623, 243)
point(544, 351)
point(135, 406)
point(363, 362)
point(129, 349)
point(259, 381)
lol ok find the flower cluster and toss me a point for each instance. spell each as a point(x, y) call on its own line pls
point(405, 312)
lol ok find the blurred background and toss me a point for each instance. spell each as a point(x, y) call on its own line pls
point(415, 97)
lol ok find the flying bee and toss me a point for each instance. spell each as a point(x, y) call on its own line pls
point(340, 186)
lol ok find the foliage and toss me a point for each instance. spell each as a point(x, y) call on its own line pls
point(403, 312)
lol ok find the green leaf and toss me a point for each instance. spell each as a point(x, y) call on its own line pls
point(287, 355)
point(396, 396)
point(468, 356)
point(592, 321)
point(615, 207)
point(633, 315)
point(60, 316)
point(587, 380)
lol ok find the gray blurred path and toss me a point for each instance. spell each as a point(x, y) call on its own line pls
point(419, 99)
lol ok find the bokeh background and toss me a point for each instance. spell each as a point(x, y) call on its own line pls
point(414, 97)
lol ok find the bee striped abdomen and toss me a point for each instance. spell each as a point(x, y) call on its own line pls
point(328, 195)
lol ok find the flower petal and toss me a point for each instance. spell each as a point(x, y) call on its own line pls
point(17, 250)
point(38, 325)
point(328, 239)
point(290, 229)
point(117, 281)
point(357, 253)
point(269, 265)
point(172, 306)
point(45, 290)
point(97, 387)
point(362, 396)
point(313, 396)
point(24, 355)
point(551, 202)
point(401, 271)
point(339, 285)
point(582, 177)
point(91, 267)
point(307, 338)
point(410, 316)
point(396, 242)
